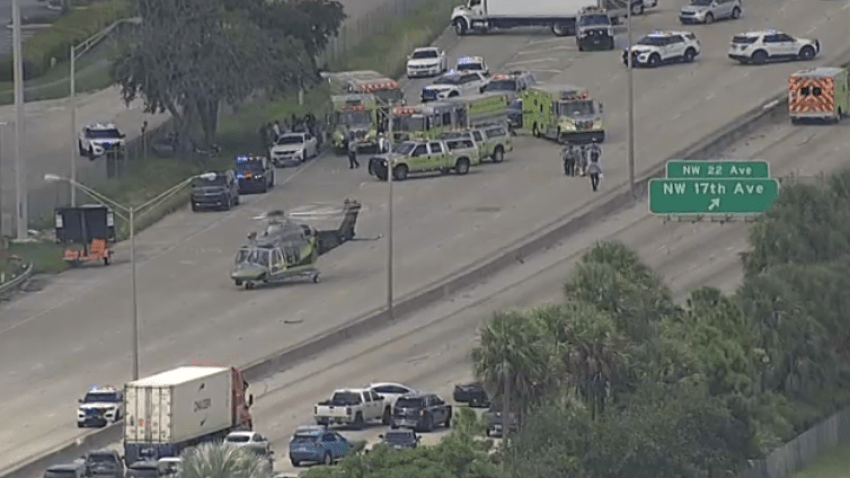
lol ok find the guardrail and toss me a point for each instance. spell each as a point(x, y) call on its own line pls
point(10, 286)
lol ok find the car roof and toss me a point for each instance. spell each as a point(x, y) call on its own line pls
point(426, 48)
point(470, 59)
point(102, 125)
point(418, 394)
point(311, 430)
point(240, 434)
point(391, 384)
point(99, 389)
point(681, 32)
point(756, 33)
point(145, 464)
point(65, 467)
point(103, 451)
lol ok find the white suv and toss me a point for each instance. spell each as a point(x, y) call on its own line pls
point(428, 61)
point(707, 11)
point(771, 45)
point(472, 63)
point(100, 138)
point(455, 84)
point(658, 48)
point(100, 406)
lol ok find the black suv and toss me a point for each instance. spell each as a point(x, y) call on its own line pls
point(254, 173)
point(215, 190)
point(104, 464)
point(421, 412)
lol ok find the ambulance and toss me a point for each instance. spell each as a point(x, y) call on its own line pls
point(478, 110)
point(819, 94)
point(364, 81)
point(565, 113)
point(354, 114)
point(422, 121)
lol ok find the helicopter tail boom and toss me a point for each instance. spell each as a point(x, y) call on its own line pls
point(330, 239)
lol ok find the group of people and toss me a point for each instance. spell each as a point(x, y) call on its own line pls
point(583, 160)
point(383, 147)
point(270, 132)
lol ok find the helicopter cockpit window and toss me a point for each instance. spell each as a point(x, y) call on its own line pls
point(253, 256)
point(290, 254)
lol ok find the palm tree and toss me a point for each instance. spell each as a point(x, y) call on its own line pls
point(508, 360)
point(219, 460)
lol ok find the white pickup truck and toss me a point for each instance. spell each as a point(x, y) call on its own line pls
point(353, 406)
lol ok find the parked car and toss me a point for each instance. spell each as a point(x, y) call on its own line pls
point(421, 411)
point(427, 61)
point(317, 444)
point(472, 393)
point(77, 469)
point(251, 440)
point(215, 190)
point(400, 439)
point(104, 463)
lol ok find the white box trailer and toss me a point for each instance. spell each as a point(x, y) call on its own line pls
point(180, 406)
point(559, 15)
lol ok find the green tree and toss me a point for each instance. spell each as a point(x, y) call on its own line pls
point(210, 460)
point(511, 361)
point(188, 56)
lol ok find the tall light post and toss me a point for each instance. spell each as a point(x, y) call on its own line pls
point(2, 124)
point(631, 100)
point(20, 174)
point(390, 214)
point(128, 214)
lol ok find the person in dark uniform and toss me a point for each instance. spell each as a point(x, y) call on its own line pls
point(568, 157)
point(594, 170)
point(352, 153)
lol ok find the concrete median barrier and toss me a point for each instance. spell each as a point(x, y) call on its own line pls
point(775, 109)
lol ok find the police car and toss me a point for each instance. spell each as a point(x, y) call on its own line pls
point(472, 63)
point(254, 173)
point(100, 407)
point(428, 61)
point(659, 48)
point(771, 45)
point(455, 83)
point(100, 138)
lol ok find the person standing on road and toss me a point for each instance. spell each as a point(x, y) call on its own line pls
point(594, 170)
point(568, 157)
point(352, 153)
point(383, 144)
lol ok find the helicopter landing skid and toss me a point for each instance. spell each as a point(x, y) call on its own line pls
point(313, 275)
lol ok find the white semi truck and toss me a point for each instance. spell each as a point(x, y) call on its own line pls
point(182, 407)
point(559, 15)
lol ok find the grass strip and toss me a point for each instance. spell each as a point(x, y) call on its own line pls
point(385, 52)
point(832, 464)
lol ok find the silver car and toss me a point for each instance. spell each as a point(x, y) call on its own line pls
point(251, 440)
point(707, 11)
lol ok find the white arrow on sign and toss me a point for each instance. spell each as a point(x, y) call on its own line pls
point(714, 204)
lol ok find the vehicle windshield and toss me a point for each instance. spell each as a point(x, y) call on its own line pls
point(577, 108)
point(470, 67)
point(424, 54)
point(352, 118)
point(595, 19)
point(448, 80)
point(305, 438)
point(345, 398)
point(702, 3)
point(60, 474)
point(410, 123)
point(400, 437)
point(392, 95)
point(652, 41)
point(501, 85)
point(237, 439)
point(290, 139)
point(404, 148)
point(746, 39)
point(410, 403)
point(102, 397)
point(103, 133)
point(252, 165)
point(253, 256)
point(218, 180)
point(94, 458)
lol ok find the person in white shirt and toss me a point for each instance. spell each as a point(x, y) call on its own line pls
point(276, 129)
point(383, 144)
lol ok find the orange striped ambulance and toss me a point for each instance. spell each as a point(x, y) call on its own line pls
point(821, 93)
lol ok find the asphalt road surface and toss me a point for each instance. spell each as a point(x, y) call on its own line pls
point(75, 332)
point(434, 355)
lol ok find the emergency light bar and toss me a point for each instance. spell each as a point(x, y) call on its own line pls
point(404, 111)
point(468, 59)
point(501, 76)
point(357, 107)
point(370, 87)
point(574, 95)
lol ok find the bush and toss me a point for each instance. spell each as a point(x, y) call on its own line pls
point(55, 42)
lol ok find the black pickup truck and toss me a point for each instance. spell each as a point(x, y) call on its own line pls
point(421, 412)
point(473, 394)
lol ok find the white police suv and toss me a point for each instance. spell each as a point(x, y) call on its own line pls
point(472, 63)
point(100, 407)
point(455, 83)
point(659, 48)
point(100, 138)
point(771, 45)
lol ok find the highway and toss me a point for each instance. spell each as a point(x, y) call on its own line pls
point(75, 332)
point(434, 355)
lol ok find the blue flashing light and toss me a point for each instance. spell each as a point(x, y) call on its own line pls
point(242, 158)
point(467, 59)
point(452, 73)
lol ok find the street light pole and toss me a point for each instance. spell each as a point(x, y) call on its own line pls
point(20, 174)
point(72, 99)
point(390, 216)
point(631, 100)
point(131, 219)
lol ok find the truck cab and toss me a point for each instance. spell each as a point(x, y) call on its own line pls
point(352, 406)
point(563, 113)
point(414, 157)
point(492, 141)
point(104, 464)
point(594, 30)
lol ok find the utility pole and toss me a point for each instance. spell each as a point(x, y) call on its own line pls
point(631, 100)
point(20, 173)
point(390, 216)
point(72, 99)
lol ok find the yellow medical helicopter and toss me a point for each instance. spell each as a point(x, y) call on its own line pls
point(288, 248)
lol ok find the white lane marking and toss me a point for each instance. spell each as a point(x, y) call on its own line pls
point(536, 52)
point(544, 42)
point(161, 252)
point(709, 97)
point(528, 62)
point(811, 30)
point(845, 7)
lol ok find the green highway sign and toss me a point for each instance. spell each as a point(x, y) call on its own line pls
point(711, 196)
point(717, 169)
